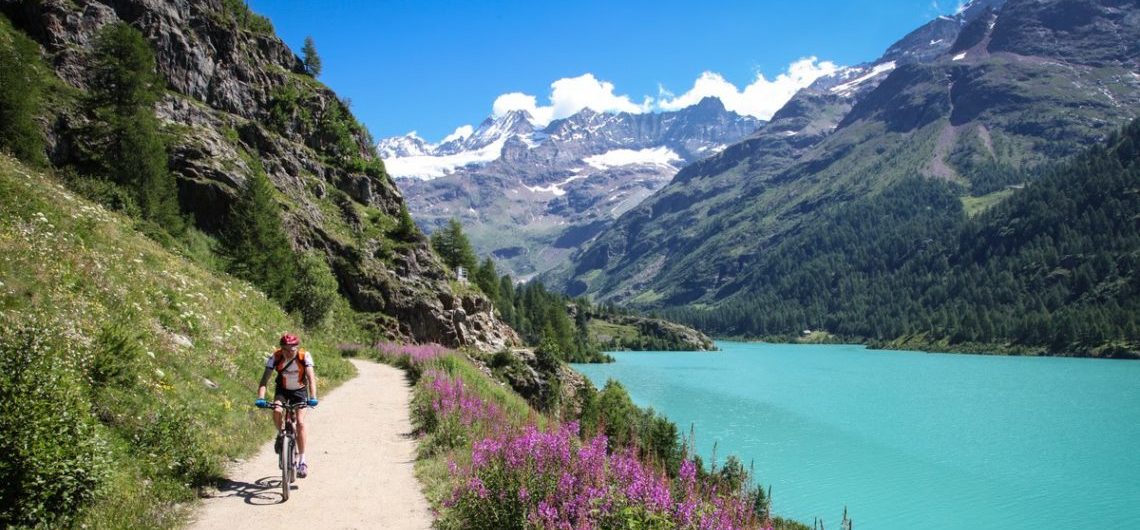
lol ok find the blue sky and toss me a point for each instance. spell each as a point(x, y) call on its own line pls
point(431, 66)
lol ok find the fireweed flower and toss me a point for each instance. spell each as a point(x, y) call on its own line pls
point(553, 479)
point(414, 353)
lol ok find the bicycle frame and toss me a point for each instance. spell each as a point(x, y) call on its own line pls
point(287, 457)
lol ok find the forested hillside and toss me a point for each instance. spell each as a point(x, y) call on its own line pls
point(1055, 267)
point(854, 178)
point(569, 329)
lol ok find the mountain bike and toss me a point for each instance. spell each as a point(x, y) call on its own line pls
point(286, 445)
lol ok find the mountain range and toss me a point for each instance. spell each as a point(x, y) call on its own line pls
point(529, 195)
point(982, 102)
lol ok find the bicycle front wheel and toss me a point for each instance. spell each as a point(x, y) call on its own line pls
point(286, 457)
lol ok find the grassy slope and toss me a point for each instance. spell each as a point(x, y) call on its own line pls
point(73, 272)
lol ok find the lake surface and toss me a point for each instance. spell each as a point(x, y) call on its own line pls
point(909, 440)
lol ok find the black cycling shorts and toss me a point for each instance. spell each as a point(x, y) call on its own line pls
point(290, 397)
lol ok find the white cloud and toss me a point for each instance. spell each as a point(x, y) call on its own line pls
point(761, 99)
point(568, 96)
point(462, 131)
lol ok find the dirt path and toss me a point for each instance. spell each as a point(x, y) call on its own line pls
point(362, 467)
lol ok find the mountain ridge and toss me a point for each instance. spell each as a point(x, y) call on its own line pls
point(553, 187)
point(977, 114)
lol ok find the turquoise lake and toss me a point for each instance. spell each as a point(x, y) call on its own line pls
point(909, 440)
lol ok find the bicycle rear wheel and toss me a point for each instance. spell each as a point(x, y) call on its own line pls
point(286, 459)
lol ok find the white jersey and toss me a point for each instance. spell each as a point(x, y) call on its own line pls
point(293, 376)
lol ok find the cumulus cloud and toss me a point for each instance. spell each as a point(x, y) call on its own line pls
point(760, 99)
point(568, 96)
point(463, 131)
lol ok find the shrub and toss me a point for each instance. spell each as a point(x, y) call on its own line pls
point(406, 230)
point(503, 358)
point(247, 19)
point(174, 444)
point(54, 457)
point(20, 90)
point(116, 356)
point(104, 191)
point(612, 412)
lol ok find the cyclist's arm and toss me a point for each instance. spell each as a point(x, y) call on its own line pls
point(264, 381)
point(312, 376)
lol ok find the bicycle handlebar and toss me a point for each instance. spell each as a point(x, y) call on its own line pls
point(286, 406)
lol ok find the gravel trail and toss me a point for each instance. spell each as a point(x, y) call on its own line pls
point(361, 461)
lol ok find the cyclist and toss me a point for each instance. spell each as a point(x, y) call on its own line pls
point(296, 383)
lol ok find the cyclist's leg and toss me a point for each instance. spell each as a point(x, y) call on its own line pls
point(301, 430)
point(278, 414)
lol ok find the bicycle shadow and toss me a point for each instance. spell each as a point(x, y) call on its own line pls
point(262, 492)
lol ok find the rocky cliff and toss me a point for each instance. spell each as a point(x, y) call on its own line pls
point(237, 100)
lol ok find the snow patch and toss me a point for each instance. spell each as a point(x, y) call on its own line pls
point(959, 57)
point(661, 156)
point(933, 42)
point(556, 189)
point(428, 167)
point(846, 88)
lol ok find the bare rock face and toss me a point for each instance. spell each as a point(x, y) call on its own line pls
point(557, 389)
point(238, 97)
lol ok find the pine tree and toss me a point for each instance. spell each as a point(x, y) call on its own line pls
point(312, 60)
point(406, 230)
point(256, 243)
point(124, 89)
point(487, 278)
point(316, 289)
point(452, 245)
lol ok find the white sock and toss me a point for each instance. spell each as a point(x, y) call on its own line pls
point(301, 458)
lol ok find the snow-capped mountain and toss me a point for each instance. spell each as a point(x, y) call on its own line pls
point(551, 188)
point(929, 41)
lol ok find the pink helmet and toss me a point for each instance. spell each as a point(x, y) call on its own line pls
point(289, 339)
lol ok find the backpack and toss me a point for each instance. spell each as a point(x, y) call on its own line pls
point(280, 364)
